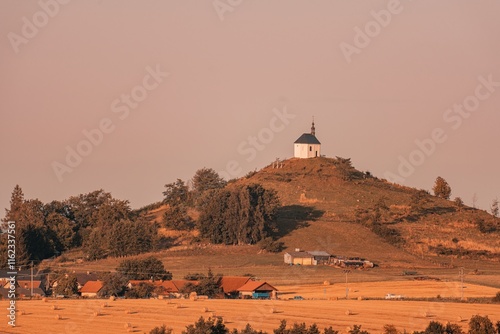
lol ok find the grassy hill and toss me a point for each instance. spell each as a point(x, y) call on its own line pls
point(321, 206)
point(321, 211)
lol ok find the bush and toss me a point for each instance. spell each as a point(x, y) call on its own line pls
point(481, 325)
point(356, 329)
point(202, 326)
point(270, 245)
point(161, 330)
point(390, 329)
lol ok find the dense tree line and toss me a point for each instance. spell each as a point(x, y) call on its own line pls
point(100, 223)
point(477, 325)
point(238, 215)
point(143, 269)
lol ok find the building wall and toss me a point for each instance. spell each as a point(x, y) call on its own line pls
point(305, 151)
point(303, 261)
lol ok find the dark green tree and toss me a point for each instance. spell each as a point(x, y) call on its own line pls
point(453, 329)
point(494, 207)
point(481, 325)
point(176, 193)
point(207, 179)
point(390, 329)
point(209, 326)
point(330, 330)
point(345, 169)
point(161, 330)
point(435, 327)
point(442, 188)
point(94, 245)
point(240, 215)
point(248, 330)
point(356, 329)
point(67, 285)
point(16, 202)
point(207, 285)
point(459, 203)
point(114, 284)
point(130, 238)
point(63, 229)
point(144, 269)
point(141, 290)
point(177, 218)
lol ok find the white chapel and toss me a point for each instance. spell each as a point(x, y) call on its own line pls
point(307, 146)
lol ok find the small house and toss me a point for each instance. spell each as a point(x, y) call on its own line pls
point(91, 289)
point(231, 284)
point(258, 290)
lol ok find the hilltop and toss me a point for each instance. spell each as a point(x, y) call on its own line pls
point(328, 205)
point(322, 209)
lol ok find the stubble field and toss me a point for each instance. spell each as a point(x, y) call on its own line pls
point(323, 305)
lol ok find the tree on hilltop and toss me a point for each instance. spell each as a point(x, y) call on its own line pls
point(442, 188)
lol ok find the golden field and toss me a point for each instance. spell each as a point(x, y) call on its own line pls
point(322, 306)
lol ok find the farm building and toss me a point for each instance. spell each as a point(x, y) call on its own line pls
point(299, 258)
point(171, 289)
point(231, 284)
point(309, 258)
point(91, 289)
point(23, 288)
point(320, 257)
point(258, 290)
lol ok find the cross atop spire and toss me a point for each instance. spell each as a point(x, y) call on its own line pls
point(313, 129)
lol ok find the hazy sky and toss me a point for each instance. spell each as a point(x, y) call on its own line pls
point(377, 76)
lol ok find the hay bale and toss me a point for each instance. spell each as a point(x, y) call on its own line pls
point(104, 305)
point(112, 298)
point(272, 310)
point(22, 312)
point(426, 314)
point(54, 307)
point(44, 299)
point(160, 297)
point(127, 325)
point(97, 313)
point(326, 283)
point(348, 312)
point(460, 319)
point(360, 298)
point(178, 306)
point(58, 317)
point(204, 310)
point(130, 330)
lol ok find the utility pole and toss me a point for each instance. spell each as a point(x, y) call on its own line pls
point(31, 279)
point(346, 271)
point(461, 273)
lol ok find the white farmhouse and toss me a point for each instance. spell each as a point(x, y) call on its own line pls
point(307, 146)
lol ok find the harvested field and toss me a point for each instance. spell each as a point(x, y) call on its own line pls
point(77, 316)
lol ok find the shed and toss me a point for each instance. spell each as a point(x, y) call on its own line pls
point(320, 257)
point(258, 290)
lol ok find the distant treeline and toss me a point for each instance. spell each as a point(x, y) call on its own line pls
point(104, 226)
point(477, 325)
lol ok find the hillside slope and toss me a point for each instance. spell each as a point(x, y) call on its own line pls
point(320, 213)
